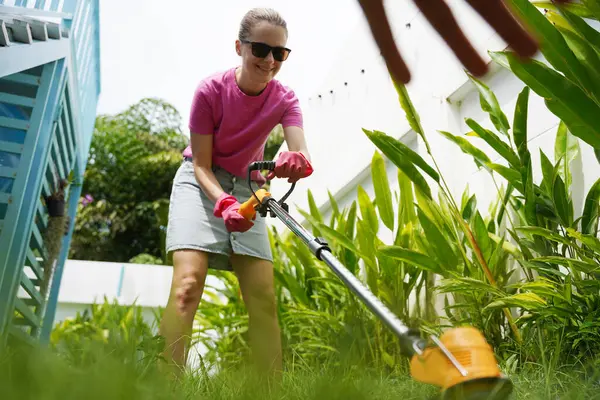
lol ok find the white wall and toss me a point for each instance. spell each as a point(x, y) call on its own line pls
point(443, 96)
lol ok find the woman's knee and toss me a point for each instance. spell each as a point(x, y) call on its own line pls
point(190, 268)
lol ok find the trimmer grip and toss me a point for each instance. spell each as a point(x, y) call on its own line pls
point(247, 209)
point(262, 165)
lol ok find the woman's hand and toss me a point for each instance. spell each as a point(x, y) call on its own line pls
point(439, 15)
point(292, 165)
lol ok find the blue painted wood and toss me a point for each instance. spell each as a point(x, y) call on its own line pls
point(27, 313)
point(14, 123)
point(23, 78)
point(17, 100)
point(40, 4)
point(6, 172)
point(11, 147)
point(17, 228)
point(31, 289)
point(20, 3)
point(34, 264)
point(54, 5)
point(52, 299)
point(20, 58)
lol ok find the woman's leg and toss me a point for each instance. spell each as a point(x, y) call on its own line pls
point(189, 275)
point(255, 276)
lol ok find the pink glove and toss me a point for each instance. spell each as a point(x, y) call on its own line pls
point(292, 165)
point(227, 207)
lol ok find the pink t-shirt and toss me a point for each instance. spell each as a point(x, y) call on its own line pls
point(240, 123)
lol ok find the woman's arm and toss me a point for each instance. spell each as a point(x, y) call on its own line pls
point(295, 140)
point(202, 158)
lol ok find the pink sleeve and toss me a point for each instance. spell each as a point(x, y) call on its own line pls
point(293, 113)
point(201, 114)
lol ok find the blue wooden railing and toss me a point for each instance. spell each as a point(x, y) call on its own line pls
point(47, 114)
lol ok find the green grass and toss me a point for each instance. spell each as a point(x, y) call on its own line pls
point(43, 374)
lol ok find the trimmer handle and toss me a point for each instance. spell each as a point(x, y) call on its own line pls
point(262, 165)
point(248, 208)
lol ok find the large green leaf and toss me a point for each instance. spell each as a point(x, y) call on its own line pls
point(497, 144)
point(589, 219)
point(576, 8)
point(398, 146)
point(417, 259)
point(588, 57)
point(566, 149)
point(562, 202)
point(520, 125)
point(593, 6)
point(577, 265)
point(552, 43)
point(438, 243)
point(591, 36)
point(409, 109)
point(388, 147)
point(489, 103)
point(511, 175)
point(563, 98)
point(340, 239)
point(367, 210)
point(480, 158)
point(383, 193)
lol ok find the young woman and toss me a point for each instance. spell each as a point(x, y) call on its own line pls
point(232, 114)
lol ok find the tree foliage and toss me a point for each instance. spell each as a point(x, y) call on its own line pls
point(133, 158)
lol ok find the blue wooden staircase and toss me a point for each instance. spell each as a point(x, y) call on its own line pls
point(49, 88)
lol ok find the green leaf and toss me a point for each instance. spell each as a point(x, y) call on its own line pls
point(530, 198)
point(593, 6)
point(577, 265)
point(340, 239)
point(589, 218)
point(367, 210)
point(566, 149)
point(438, 242)
point(591, 37)
point(520, 125)
point(314, 211)
point(563, 98)
point(577, 9)
point(398, 157)
point(481, 159)
point(529, 301)
point(489, 104)
point(545, 233)
point(511, 175)
point(552, 44)
point(469, 208)
point(587, 55)
point(409, 109)
point(334, 206)
point(497, 144)
point(383, 193)
point(419, 260)
point(406, 151)
point(547, 172)
point(589, 240)
point(407, 213)
point(562, 203)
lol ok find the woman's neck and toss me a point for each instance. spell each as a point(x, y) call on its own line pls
point(246, 85)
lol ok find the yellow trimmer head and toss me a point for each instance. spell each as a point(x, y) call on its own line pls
point(460, 362)
point(463, 365)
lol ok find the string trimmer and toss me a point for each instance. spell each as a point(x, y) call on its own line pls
point(460, 362)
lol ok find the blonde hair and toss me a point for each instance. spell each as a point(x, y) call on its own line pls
point(256, 15)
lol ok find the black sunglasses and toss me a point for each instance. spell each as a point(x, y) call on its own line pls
point(261, 50)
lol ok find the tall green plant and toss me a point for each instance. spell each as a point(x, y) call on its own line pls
point(570, 81)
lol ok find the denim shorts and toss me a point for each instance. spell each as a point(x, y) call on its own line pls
point(192, 224)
